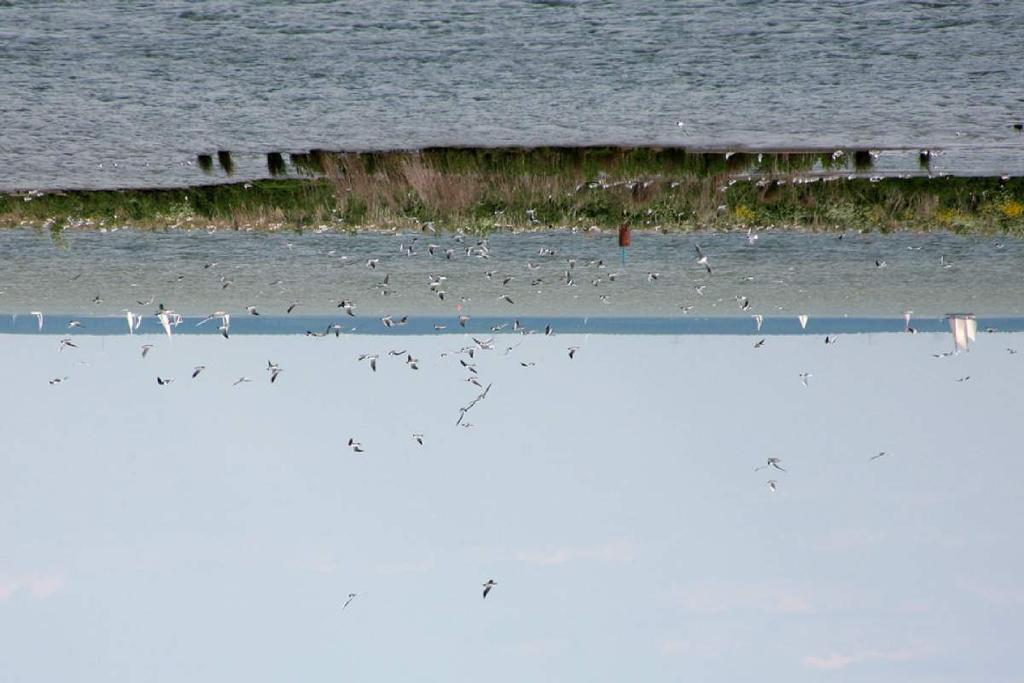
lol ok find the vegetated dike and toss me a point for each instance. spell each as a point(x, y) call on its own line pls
point(487, 189)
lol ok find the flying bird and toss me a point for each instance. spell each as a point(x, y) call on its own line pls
point(145, 349)
point(165, 321)
point(772, 462)
point(162, 381)
point(702, 258)
point(418, 438)
point(351, 597)
point(491, 583)
point(197, 370)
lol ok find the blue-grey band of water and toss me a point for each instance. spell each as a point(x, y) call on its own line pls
point(56, 324)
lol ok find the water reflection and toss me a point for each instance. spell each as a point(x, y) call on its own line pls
point(964, 327)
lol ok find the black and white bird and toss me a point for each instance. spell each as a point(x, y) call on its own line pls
point(274, 369)
point(702, 258)
point(196, 370)
point(772, 462)
point(491, 583)
point(351, 597)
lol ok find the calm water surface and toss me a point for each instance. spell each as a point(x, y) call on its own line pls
point(782, 274)
point(210, 530)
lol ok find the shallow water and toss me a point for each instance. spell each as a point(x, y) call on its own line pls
point(781, 275)
point(204, 531)
point(126, 94)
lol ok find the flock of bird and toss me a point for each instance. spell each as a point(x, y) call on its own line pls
point(168, 321)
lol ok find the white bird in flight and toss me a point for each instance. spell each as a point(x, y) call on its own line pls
point(702, 258)
point(165, 321)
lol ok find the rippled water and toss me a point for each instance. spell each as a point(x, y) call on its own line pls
point(110, 93)
point(781, 274)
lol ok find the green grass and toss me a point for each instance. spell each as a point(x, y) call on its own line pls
point(486, 189)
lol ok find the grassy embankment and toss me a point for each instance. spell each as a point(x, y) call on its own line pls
point(488, 189)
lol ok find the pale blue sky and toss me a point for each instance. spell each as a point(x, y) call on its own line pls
point(206, 532)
